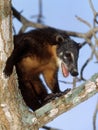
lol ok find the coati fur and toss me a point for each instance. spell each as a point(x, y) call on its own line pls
point(41, 51)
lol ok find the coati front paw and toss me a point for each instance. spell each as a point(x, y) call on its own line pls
point(49, 98)
point(8, 68)
point(52, 96)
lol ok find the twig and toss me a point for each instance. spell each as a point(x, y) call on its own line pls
point(83, 21)
point(95, 116)
point(74, 82)
point(85, 65)
point(65, 82)
point(49, 128)
point(88, 60)
point(40, 16)
point(94, 12)
point(25, 23)
point(83, 44)
point(92, 7)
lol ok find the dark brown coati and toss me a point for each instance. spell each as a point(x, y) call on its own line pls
point(41, 51)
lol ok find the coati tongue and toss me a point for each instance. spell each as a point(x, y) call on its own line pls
point(64, 70)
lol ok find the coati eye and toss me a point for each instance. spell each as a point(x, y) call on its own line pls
point(69, 56)
point(59, 38)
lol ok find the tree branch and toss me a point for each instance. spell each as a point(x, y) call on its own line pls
point(26, 23)
point(64, 103)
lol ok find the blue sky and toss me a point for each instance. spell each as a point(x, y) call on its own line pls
point(61, 14)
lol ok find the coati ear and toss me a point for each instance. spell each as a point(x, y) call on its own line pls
point(59, 38)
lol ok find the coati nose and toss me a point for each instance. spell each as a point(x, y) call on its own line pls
point(74, 72)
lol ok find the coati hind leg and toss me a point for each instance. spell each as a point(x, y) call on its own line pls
point(29, 95)
point(33, 92)
point(39, 88)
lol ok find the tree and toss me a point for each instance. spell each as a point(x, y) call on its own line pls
point(14, 113)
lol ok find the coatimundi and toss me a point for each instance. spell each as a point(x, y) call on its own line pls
point(41, 51)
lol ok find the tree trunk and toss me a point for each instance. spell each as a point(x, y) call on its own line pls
point(11, 105)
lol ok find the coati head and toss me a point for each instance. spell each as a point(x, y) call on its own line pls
point(67, 50)
point(68, 56)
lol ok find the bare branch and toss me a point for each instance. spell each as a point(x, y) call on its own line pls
point(94, 12)
point(93, 52)
point(92, 7)
point(25, 23)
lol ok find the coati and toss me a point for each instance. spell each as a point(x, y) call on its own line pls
point(41, 51)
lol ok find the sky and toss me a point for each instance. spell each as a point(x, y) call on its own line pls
point(61, 14)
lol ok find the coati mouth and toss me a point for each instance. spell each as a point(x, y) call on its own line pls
point(64, 70)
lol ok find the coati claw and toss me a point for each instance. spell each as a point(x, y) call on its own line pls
point(49, 98)
point(52, 96)
point(66, 91)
